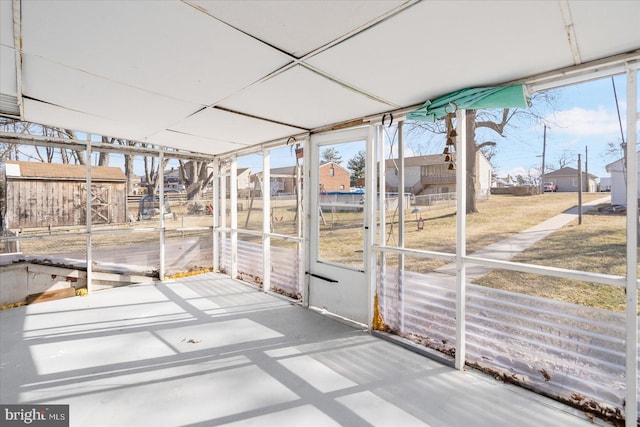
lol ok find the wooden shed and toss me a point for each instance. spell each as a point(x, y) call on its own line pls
point(50, 194)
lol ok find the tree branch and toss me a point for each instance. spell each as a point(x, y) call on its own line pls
point(498, 128)
point(486, 144)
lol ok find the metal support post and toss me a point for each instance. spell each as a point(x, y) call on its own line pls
point(310, 160)
point(461, 250)
point(88, 219)
point(161, 269)
point(631, 407)
point(370, 220)
point(223, 209)
point(215, 215)
point(266, 220)
point(233, 194)
point(300, 247)
point(401, 210)
point(383, 216)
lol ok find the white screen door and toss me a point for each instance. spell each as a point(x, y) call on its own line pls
point(337, 280)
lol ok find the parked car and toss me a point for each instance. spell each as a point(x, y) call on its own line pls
point(550, 186)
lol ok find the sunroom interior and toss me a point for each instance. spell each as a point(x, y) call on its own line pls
point(253, 97)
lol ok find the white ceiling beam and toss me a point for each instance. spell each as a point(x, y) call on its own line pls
point(77, 144)
point(565, 8)
point(584, 72)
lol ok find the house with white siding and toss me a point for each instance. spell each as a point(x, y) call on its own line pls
point(618, 183)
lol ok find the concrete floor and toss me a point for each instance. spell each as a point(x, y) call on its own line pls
point(211, 351)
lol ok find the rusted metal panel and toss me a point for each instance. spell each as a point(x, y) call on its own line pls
point(568, 351)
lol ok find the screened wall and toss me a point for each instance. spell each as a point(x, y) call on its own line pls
point(258, 228)
point(151, 214)
point(535, 288)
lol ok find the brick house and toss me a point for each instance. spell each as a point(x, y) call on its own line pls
point(334, 177)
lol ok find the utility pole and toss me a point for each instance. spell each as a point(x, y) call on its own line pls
point(586, 168)
point(579, 188)
point(544, 149)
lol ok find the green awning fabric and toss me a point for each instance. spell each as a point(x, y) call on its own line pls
point(514, 96)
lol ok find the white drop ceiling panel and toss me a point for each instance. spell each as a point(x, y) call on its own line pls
point(166, 47)
point(216, 75)
point(53, 115)
point(616, 24)
point(8, 75)
point(227, 126)
point(302, 98)
point(192, 143)
point(8, 81)
point(80, 91)
point(6, 23)
point(297, 27)
point(425, 52)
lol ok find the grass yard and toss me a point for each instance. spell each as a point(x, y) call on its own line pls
point(597, 245)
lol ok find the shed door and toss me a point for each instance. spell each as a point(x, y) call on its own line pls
point(100, 204)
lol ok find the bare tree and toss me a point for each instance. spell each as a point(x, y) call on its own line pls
point(43, 154)
point(128, 162)
point(196, 176)
point(68, 156)
point(475, 119)
point(103, 156)
point(151, 171)
point(531, 177)
point(565, 159)
point(424, 139)
point(495, 120)
point(615, 150)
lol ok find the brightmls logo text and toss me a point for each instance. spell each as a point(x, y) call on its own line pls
point(35, 415)
point(28, 416)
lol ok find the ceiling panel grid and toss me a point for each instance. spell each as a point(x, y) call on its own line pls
point(215, 76)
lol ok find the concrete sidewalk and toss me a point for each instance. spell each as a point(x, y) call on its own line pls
point(506, 249)
point(211, 351)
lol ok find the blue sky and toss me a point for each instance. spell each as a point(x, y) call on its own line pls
point(582, 117)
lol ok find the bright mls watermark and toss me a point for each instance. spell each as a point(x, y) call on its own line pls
point(35, 415)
